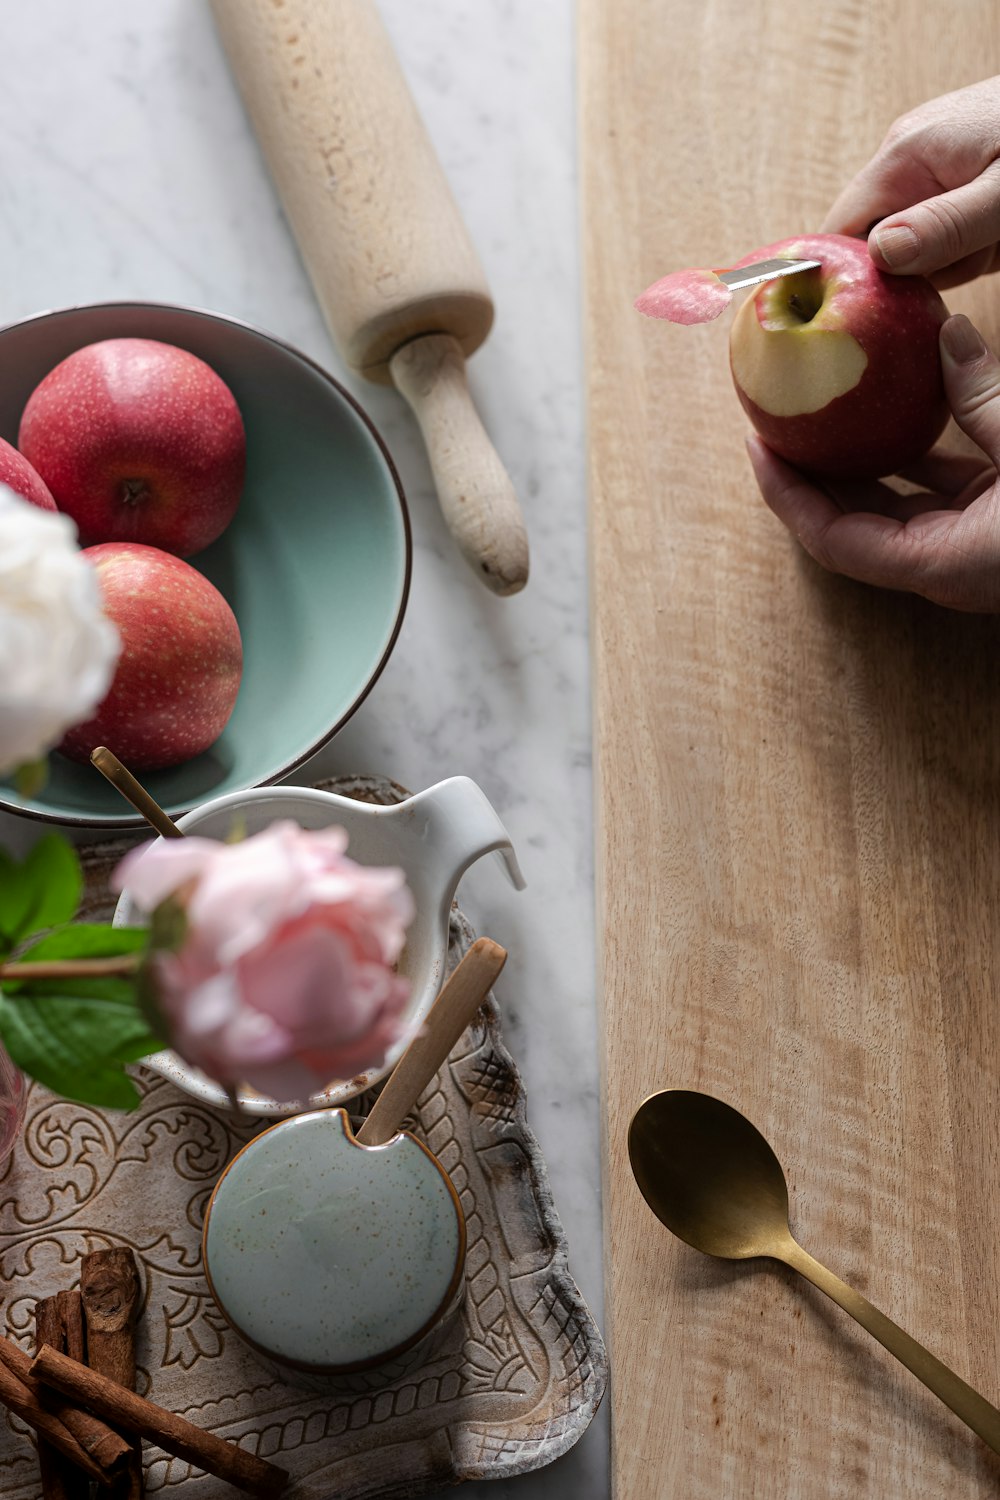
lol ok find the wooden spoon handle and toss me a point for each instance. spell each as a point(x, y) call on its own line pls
point(447, 1018)
point(974, 1409)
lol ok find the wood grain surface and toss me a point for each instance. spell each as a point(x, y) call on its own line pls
point(798, 797)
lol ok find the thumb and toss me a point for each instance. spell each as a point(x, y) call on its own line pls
point(972, 383)
point(940, 231)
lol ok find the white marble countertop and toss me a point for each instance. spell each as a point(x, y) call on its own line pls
point(129, 170)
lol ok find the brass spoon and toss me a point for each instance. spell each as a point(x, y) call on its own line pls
point(133, 791)
point(712, 1179)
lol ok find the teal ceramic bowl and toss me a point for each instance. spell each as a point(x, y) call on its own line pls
point(316, 565)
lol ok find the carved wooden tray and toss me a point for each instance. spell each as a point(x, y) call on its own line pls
point(515, 1382)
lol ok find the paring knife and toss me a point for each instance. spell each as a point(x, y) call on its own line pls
point(764, 270)
point(700, 294)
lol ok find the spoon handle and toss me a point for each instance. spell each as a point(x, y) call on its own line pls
point(133, 791)
point(447, 1018)
point(966, 1403)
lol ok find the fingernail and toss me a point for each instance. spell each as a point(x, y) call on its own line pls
point(961, 340)
point(898, 246)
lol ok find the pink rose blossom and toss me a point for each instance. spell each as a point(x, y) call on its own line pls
point(284, 980)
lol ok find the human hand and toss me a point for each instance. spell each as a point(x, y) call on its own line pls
point(932, 190)
point(944, 541)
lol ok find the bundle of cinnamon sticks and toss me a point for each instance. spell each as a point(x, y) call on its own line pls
point(78, 1393)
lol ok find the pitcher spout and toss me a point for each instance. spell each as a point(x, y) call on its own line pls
point(463, 825)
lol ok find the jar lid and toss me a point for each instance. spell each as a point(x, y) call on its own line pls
point(331, 1256)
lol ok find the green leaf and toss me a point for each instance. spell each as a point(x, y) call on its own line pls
point(75, 1035)
point(107, 1086)
point(82, 940)
point(39, 891)
point(116, 989)
point(31, 778)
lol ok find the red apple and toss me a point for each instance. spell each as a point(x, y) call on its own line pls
point(18, 475)
point(181, 662)
point(139, 442)
point(838, 369)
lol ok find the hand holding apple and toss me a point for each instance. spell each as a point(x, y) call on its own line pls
point(179, 673)
point(929, 202)
point(138, 441)
point(943, 542)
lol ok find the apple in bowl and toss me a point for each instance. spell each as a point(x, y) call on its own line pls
point(18, 475)
point(179, 673)
point(139, 441)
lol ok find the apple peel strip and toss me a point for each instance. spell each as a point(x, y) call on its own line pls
point(688, 297)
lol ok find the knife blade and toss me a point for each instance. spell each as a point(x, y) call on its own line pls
point(764, 270)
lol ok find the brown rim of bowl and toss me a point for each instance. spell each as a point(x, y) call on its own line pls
point(397, 1349)
point(135, 820)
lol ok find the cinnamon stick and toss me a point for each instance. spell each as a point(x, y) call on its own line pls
point(69, 1307)
point(17, 1397)
point(174, 1433)
point(109, 1292)
point(105, 1447)
point(61, 1480)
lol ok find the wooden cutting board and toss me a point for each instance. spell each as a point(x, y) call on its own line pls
point(798, 797)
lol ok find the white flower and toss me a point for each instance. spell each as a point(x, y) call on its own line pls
point(57, 649)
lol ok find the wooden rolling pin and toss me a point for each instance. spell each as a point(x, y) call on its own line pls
point(396, 275)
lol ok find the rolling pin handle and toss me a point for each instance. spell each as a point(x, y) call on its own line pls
point(476, 494)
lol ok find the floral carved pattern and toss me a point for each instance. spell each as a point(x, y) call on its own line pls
point(509, 1385)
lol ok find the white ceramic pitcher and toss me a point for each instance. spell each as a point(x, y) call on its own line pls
point(434, 836)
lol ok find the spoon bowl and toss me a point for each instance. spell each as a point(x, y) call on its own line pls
point(709, 1175)
point(713, 1180)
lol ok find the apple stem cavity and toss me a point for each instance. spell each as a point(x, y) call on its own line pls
point(805, 296)
point(134, 490)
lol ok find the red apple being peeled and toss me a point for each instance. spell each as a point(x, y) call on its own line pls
point(139, 442)
point(838, 368)
point(17, 474)
point(182, 658)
